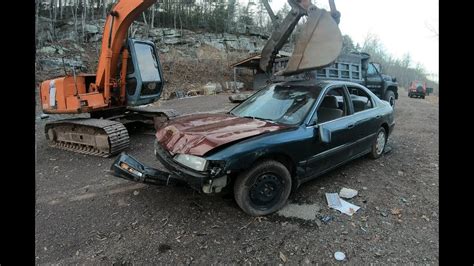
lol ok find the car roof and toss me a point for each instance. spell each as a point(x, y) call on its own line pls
point(319, 83)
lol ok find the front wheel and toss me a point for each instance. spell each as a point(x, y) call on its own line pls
point(390, 97)
point(263, 189)
point(378, 145)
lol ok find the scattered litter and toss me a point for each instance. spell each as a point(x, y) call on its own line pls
point(135, 193)
point(238, 98)
point(283, 257)
point(44, 116)
point(426, 218)
point(396, 211)
point(339, 256)
point(326, 219)
point(400, 173)
point(341, 205)
point(347, 193)
point(364, 188)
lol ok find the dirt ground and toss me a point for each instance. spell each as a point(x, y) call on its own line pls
point(84, 215)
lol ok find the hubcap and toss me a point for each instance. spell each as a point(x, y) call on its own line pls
point(380, 142)
point(266, 191)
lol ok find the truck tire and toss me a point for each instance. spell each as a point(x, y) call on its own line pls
point(390, 97)
point(422, 96)
point(263, 189)
point(378, 145)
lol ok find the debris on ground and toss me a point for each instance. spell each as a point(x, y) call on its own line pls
point(283, 257)
point(341, 205)
point(339, 255)
point(212, 88)
point(387, 150)
point(347, 193)
point(44, 116)
point(326, 219)
point(237, 98)
point(396, 211)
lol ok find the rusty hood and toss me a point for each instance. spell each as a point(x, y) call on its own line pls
point(197, 134)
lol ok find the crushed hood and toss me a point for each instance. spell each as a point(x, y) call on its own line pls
point(200, 133)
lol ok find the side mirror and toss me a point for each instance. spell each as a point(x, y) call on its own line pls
point(324, 134)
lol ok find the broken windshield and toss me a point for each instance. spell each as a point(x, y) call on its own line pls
point(280, 104)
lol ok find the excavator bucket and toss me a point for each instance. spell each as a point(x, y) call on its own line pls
point(319, 44)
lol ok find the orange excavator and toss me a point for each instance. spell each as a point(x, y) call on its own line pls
point(129, 78)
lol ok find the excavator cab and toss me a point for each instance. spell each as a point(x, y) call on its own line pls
point(144, 79)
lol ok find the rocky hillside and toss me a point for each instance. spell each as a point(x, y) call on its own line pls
point(190, 59)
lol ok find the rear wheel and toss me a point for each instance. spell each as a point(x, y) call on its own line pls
point(390, 97)
point(263, 189)
point(378, 145)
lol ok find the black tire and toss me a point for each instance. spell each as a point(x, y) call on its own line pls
point(390, 97)
point(263, 189)
point(377, 151)
point(422, 96)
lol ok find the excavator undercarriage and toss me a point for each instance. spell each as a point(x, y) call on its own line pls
point(106, 133)
point(90, 136)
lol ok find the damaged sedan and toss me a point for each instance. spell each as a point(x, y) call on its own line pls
point(266, 147)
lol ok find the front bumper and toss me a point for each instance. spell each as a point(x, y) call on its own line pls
point(127, 167)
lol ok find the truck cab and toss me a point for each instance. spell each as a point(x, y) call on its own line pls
point(382, 85)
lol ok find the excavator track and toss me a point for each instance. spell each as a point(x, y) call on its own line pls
point(90, 136)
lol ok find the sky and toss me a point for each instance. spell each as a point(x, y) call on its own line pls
point(403, 26)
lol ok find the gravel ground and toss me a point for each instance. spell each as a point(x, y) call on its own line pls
point(84, 215)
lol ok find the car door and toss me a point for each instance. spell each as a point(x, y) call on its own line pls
point(332, 133)
point(373, 79)
point(365, 118)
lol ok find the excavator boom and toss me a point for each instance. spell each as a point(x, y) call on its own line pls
point(115, 32)
point(319, 44)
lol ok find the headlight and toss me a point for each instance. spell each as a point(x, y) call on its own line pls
point(191, 161)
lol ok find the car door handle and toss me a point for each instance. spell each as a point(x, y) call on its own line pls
point(378, 116)
point(350, 125)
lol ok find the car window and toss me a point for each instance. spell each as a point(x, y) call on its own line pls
point(360, 99)
point(280, 104)
point(333, 106)
point(371, 70)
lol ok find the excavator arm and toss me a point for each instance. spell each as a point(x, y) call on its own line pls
point(319, 44)
point(115, 32)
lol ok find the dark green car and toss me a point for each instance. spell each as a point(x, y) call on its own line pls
point(280, 137)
